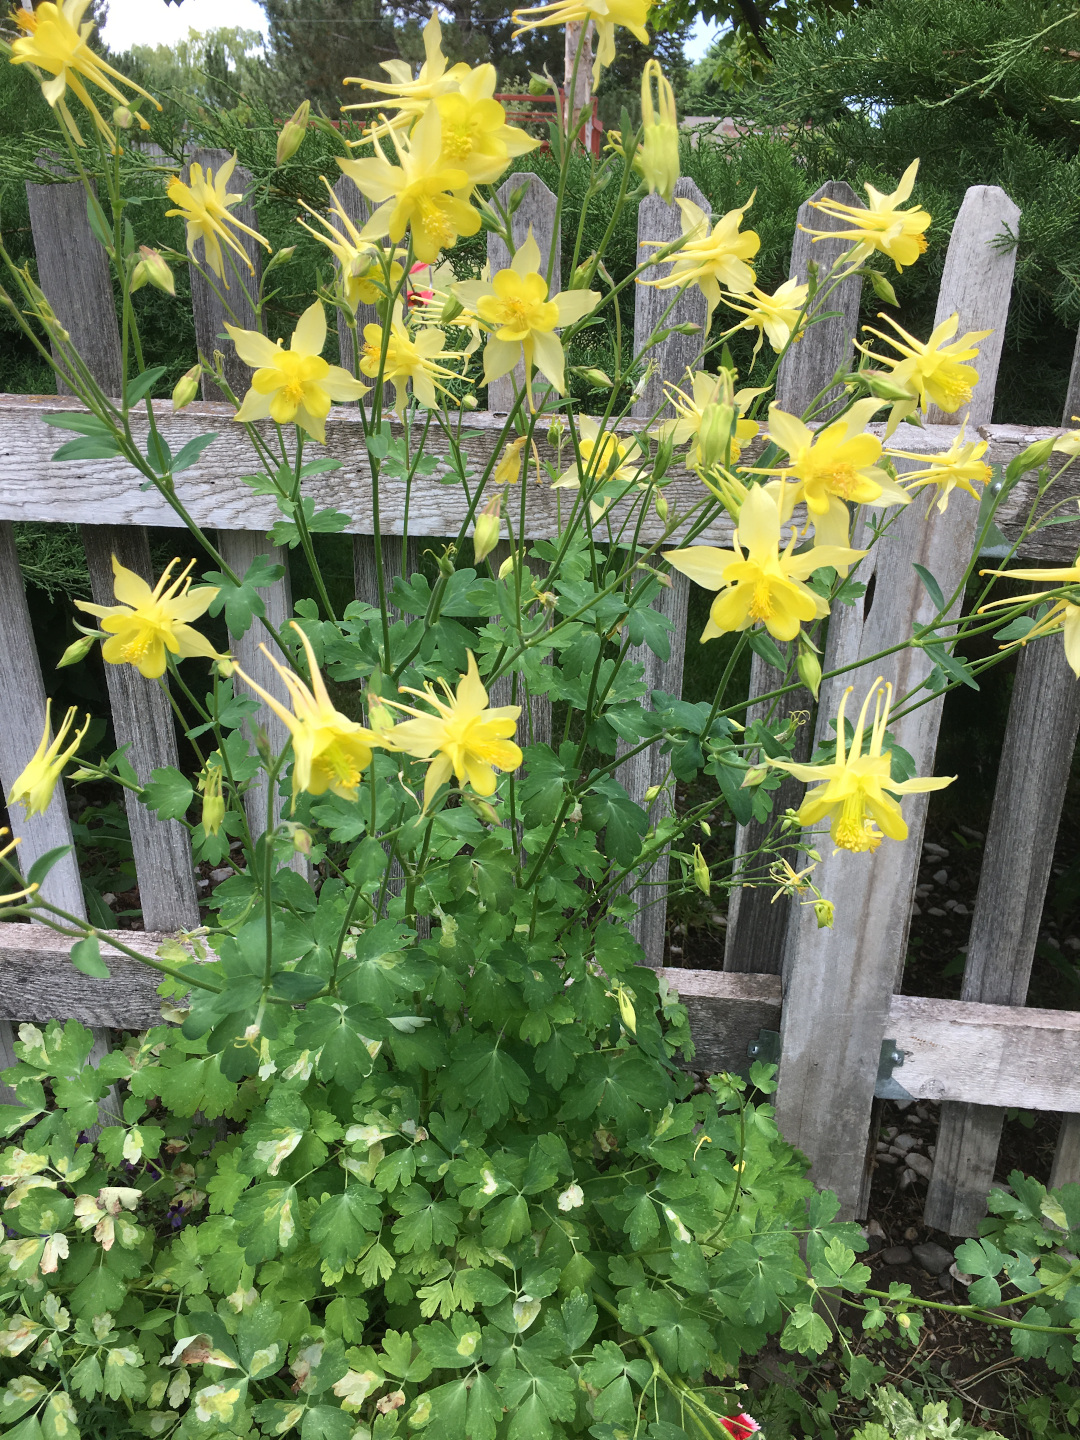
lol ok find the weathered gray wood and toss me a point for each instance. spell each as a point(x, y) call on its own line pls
point(1066, 1167)
point(39, 983)
point(1036, 758)
point(674, 356)
point(534, 723)
point(640, 772)
point(210, 313)
point(356, 207)
point(238, 549)
point(74, 272)
point(839, 982)
point(395, 566)
point(757, 921)
point(826, 346)
point(726, 1013)
point(143, 720)
point(536, 211)
point(35, 487)
point(1071, 409)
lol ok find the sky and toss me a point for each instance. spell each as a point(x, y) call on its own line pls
point(152, 22)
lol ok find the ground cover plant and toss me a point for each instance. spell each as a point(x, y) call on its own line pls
point(413, 1150)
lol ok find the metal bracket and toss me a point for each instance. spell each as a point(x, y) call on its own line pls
point(888, 1088)
point(765, 1048)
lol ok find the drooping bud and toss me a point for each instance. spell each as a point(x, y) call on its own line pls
point(651, 793)
point(701, 871)
point(76, 651)
point(293, 132)
point(808, 665)
point(627, 1013)
point(658, 159)
point(506, 569)
point(213, 806)
point(714, 435)
point(1032, 458)
point(508, 470)
point(186, 388)
point(487, 528)
point(825, 913)
point(152, 269)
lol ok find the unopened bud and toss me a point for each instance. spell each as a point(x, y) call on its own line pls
point(293, 132)
point(538, 85)
point(706, 828)
point(213, 806)
point(451, 310)
point(809, 667)
point(506, 569)
point(152, 269)
point(583, 274)
point(714, 435)
point(279, 257)
point(300, 837)
point(122, 117)
point(556, 432)
point(486, 531)
point(651, 793)
point(627, 1013)
point(701, 871)
point(754, 776)
point(597, 378)
point(1035, 456)
point(468, 402)
point(482, 808)
point(76, 651)
point(881, 384)
point(825, 913)
point(686, 328)
point(186, 388)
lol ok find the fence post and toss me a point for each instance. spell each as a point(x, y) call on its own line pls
point(757, 920)
point(81, 295)
point(671, 358)
point(536, 211)
point(838, 982)
point(1034, 769)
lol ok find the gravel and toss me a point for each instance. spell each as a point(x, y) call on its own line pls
point(896, 1255)
point(932, 1257)
point(921, 1165)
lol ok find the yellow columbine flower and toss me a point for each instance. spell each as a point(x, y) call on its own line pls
point(294, 386)
point(709, 418)
point(712, 255)
point(148, 623)
point(831, 468)
point(33, 789)
point(774, 316)
point(55, 40)
point(1069, 443)
point(857, 792)
point(522, 318)
point(465, 738)
point(658, 158)
point(408, 357)
point(411, 96)
point(330, 751)
point(508, 470)
point(604, 14)
point(417, 192)
point(959, 466)
point(362, 279)
point(605, 460)
point(931, 373)
point(204, 203)
point(1063, 615)
point(475, 134)
point(882, 226)
point(756, 581)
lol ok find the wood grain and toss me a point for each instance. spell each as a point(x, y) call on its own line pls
point(674, 356)
point(1066, 1167)
point(209, 310)
point(535, 212)
point(838, 982)
point(826, 346)
point(1036, 759)
point(726, 1012)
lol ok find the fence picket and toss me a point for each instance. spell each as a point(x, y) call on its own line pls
point(757, 919)
point(536, 211)
point(356, 207)
point(1036, 758)
point(838, 982)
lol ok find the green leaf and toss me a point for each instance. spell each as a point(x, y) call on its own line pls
point(762, 643)
point(44, 863)
point(142, 384)
point(86, 957)
point(187, 455)
point(93, 447)
point(952, 666)
point(169, 793)
point(343, 1223)
point(318, 522)
point(267, 1217)
point(326, 1422)
point(242, 603)
point(933, 589)
point(806, 1331)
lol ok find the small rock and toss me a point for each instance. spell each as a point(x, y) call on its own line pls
point(721, 920)
point(904, 1142)
point(886, 1159)
point(717, 918)
point(920, 1164)
point(1049, 940)
point(972, 834)
point(907, 1178)
point(202, 884)
point(941, 877)
point(903, 1104)
point(954, 885)
point(889, 1131)
point(1072, 943)
point(931, 1150)
point(922, 1110)
point(896, 1255)
point(872, 1227)
point(109, 898)
point(932, 1257)
point(938, 851)
point(959, 908)
point(959, 1276)
point(936, 910)
point(911, 1233)
point(221, 873)
point(923, 890)
point(675, 949)
point(915, 909)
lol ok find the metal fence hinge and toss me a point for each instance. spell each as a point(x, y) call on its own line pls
point(765, 1048)
point(887, 1087)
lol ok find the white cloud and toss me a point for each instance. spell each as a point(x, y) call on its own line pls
point(152, 22)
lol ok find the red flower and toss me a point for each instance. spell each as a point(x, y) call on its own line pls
point(740, 1426)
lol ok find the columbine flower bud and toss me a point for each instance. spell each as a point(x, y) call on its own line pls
point(152, 269)
point(808, 665)
point(122, 117)
point(77, 650)
point(651, 793)
point(754, 776)
point(468, 402)
point(661, 506)
point(686, 328)
point(293, 132)
point(213, 806)
point(187, 387)
point(659, 156)
point(701, 871)
point(486, 530)
point(1035, 456)
point(556, 431)
point(714, 434)
point(881, 384)
point(508, 470)
point(596, 378)
point(825, 912)
point(506, 569)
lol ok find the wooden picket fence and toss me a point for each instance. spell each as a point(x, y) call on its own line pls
point(824, 1003)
